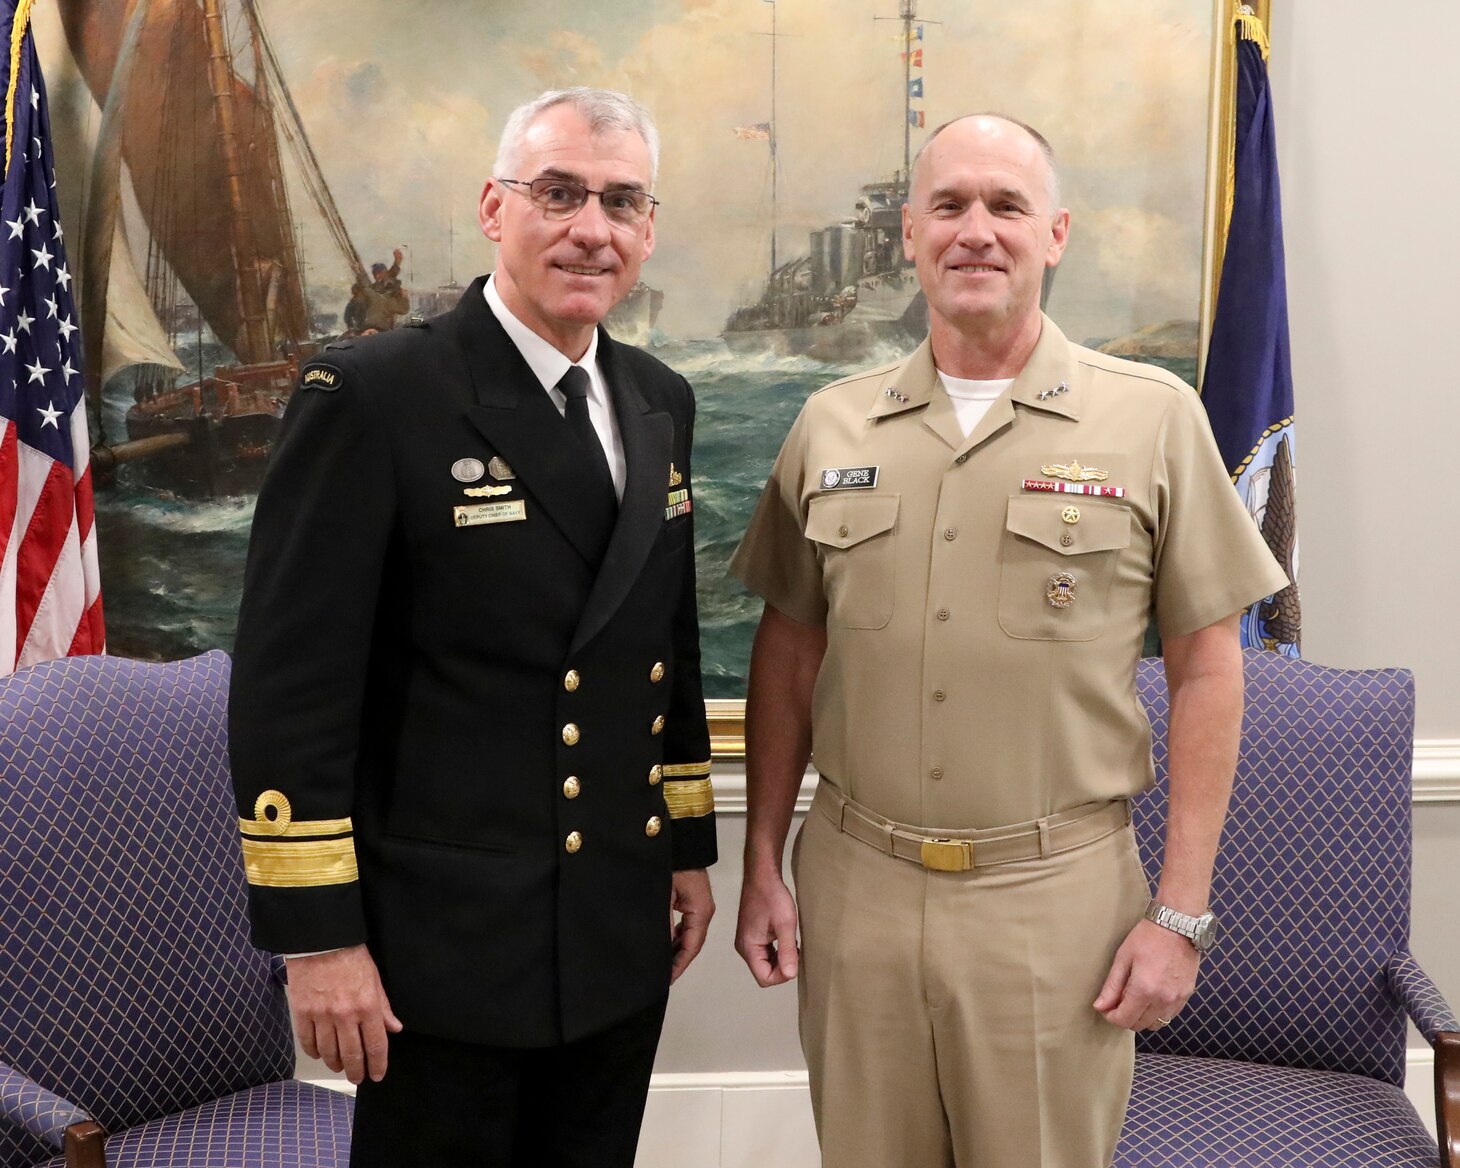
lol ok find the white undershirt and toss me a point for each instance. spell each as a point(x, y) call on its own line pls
point(971, 399)
point(549, 365)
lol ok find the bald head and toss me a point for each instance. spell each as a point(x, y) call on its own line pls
point(973, 130)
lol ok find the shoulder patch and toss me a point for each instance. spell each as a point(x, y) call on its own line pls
point(318, 375)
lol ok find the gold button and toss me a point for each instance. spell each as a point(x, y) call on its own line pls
point(951, 533)
point(1070, 515)
point(571, 680)
point(571, 734)
point(571, 786)
point(573, 842)
point(652, 828)
point(656, 772)
point(658, 725)
point(938, 695)
point(936, 772)
point(656, 675)
point(942, 614)
point(843, 531)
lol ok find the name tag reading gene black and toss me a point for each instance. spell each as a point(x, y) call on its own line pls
point(475, 514)
point(849, 478)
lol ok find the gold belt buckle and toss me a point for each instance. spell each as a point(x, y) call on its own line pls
point(945, 855)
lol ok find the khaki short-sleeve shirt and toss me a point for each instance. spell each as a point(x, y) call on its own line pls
point(983, 636)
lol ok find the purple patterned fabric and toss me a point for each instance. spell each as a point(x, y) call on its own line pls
point(29, 1106)
point(127, 982)
point(1312, 880)
point(279, 1125)
point(1218, 1113)
point(1421, 997)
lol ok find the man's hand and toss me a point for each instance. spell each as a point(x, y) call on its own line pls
point(765, 937)
point(695, 903)
point(341, 1013)
point(1153, 975)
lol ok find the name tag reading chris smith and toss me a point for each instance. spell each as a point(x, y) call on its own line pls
point(475, 514)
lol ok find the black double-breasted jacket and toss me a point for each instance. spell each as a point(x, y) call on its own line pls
point(466, 718)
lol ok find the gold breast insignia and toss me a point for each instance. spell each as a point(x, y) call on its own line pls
point(675, 478)
point(486, 492)
point(1073, 472)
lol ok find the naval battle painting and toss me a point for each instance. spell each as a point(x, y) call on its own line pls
point(248, 179)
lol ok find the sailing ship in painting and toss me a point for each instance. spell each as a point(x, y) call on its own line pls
point(854, 291)
point(196, 117)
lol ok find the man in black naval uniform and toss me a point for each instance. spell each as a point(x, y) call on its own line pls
point(467, 729)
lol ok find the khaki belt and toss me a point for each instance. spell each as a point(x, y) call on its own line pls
point(959, 851)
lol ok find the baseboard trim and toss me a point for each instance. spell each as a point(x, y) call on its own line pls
point(1436, 778)
point(763, 1118)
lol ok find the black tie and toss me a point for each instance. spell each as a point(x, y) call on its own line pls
point(575, 388)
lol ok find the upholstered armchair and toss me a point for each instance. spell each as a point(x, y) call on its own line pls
point(138, 1026)
point(1292, 1052)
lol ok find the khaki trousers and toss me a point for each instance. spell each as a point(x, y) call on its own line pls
point(946, 1016)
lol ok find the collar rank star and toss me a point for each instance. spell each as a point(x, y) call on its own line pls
point(849, 478)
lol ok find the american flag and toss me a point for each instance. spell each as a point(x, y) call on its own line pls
point(50, 586)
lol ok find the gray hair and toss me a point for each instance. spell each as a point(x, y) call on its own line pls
point(603, 109)
point(1039, 139)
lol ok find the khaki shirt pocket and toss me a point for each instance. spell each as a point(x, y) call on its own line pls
point(855, 538)
point(1043, 553)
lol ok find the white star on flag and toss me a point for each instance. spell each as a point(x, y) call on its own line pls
point(50, 303)
point(67, 369)
point(37, 371)
point(4, 292)
point(42, 257)
point(66, 327)
point(16, 225)
point(24, 321)
point(63, 278)
point(9, 339)
point(50, 415)
point(32, 212)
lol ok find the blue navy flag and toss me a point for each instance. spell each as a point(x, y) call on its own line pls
point(1248, 386)
point(50, 590)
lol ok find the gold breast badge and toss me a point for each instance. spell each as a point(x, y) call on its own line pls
point(675, 478)
point(1073, 472)
point(1061, 592)
point(486, 492)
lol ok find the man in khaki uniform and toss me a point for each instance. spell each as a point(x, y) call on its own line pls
point(960, 554)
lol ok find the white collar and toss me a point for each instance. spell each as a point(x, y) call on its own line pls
point(547, 363)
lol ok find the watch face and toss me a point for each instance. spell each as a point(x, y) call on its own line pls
point(1206, 932)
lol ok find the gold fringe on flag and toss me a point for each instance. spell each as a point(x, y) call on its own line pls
point(1247, 26)
point(17, 41)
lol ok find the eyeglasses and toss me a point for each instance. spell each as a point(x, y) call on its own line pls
point(561, 198)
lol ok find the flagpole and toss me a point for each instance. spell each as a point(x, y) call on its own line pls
point(775, 210)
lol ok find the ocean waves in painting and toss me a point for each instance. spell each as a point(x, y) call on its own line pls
point(172, 567)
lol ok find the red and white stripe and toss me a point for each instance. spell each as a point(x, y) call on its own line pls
point(50, 584)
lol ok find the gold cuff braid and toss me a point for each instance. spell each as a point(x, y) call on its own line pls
point(688, 798)
point(300, 865)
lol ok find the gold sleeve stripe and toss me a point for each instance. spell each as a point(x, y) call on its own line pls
point(299, 865)
point(686, 770)
point(688, 798)
point(303, 827)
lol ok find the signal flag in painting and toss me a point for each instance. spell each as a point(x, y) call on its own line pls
point(917, 118)
point(1248, 386)
point(50, 587)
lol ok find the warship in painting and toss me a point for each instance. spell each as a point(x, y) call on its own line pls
point(854, 292)
point(632, 319)
point(196, 116)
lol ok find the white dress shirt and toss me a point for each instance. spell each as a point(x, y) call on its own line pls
point(549, 365)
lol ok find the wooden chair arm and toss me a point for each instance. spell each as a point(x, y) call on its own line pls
point(1447, 1097)
point(86, 1144)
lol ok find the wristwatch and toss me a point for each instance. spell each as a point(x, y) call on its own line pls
point(1200, 931)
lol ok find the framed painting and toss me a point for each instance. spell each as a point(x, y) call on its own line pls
point(353, 136)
